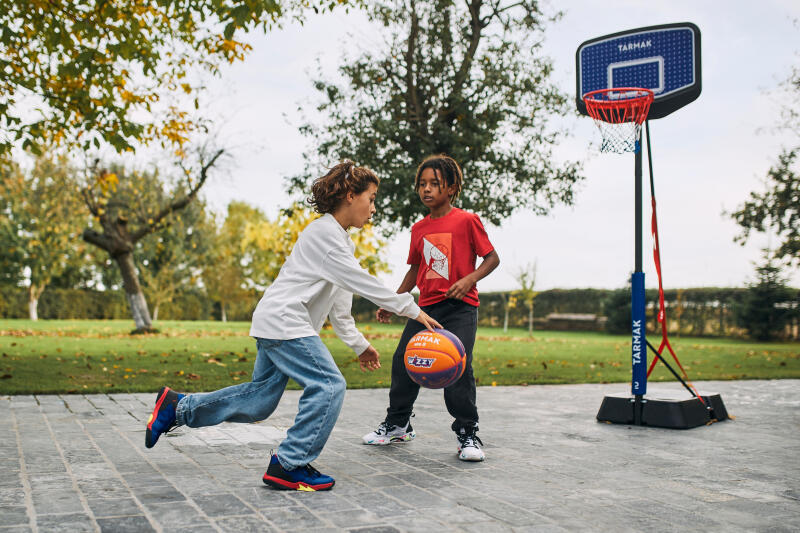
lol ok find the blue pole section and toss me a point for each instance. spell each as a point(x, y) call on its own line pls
point(638, 344)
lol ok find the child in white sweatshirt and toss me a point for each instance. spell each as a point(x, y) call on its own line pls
point(317, 281)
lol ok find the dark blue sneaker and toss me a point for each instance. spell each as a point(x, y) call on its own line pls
point(163, 417)
point(305, 478)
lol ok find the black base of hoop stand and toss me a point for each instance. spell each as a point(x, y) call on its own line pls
point(662, 409)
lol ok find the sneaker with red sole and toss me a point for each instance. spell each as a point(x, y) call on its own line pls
point(163, 417)
point(303, 478)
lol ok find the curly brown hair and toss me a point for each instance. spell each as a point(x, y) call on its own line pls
point(446, 168)
point(330, 190)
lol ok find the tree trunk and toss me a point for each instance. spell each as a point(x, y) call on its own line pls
point(133, 291)
point(505, 321)
point(224, 316)
point(34, 292)
point(530, 320)
point(155, 312)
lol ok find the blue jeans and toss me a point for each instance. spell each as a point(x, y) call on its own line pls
point(307, 361)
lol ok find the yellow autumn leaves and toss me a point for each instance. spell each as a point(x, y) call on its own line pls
point(278, 237)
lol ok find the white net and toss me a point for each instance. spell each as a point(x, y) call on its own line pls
point(619, 138)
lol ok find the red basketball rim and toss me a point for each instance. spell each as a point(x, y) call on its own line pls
point(619, 104)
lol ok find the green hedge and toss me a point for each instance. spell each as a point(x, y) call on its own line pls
point(707, 311)
point(91, 304)
point(697, 311)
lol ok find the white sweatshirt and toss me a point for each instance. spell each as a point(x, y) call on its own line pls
point(318, 280)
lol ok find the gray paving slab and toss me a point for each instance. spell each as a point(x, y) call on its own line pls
point(78, 463)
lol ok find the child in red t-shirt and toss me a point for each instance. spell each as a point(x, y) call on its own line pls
point(444, 248)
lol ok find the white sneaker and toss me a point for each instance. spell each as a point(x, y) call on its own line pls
point(387, 435)
point(469, 447)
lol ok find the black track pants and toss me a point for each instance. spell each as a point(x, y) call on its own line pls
point(461, 319)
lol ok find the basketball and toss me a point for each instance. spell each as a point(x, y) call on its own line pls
point(435, 359)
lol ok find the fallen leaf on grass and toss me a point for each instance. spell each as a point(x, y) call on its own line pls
point(6, 376)
point(192, 376)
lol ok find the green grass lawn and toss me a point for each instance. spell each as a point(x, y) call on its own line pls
point(58, 356)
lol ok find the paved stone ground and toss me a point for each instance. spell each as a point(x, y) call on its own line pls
point(78, 463)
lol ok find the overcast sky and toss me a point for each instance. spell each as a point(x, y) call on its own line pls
point(707, 156)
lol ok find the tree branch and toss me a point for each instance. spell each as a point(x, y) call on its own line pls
point(449, 111)
point(415, 112)
point(179, 204)
point(475, 36)
point(89, 201)
point(98, 239)
point(496, 10)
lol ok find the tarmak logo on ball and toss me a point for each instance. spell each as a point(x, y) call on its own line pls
point(420, 362)
point(421, 340)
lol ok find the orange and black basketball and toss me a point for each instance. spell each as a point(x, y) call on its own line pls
point(435, 359)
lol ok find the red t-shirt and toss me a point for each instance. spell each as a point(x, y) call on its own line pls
point(446, 249)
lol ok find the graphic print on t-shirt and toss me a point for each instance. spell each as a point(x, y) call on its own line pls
point(436, 248)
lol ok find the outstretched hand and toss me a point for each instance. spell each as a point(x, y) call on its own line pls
point(369, 359)
point(428, 321)
point(383, 315)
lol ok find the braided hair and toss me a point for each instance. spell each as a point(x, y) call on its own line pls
point(330, 190)
point(446, 168)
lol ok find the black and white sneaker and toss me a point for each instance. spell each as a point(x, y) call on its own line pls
point(469, 446)
point(386, 434)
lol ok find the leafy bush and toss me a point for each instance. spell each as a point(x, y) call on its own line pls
point(768, 304)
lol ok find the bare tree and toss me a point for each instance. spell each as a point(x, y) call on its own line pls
point(526, 277)
point(127, 210)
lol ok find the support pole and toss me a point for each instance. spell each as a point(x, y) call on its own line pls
point(638, 323)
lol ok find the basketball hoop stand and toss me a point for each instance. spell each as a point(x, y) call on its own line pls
point(623, 80)
point(662, 409)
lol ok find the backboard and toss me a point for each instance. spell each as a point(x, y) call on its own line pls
point(664, 59)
